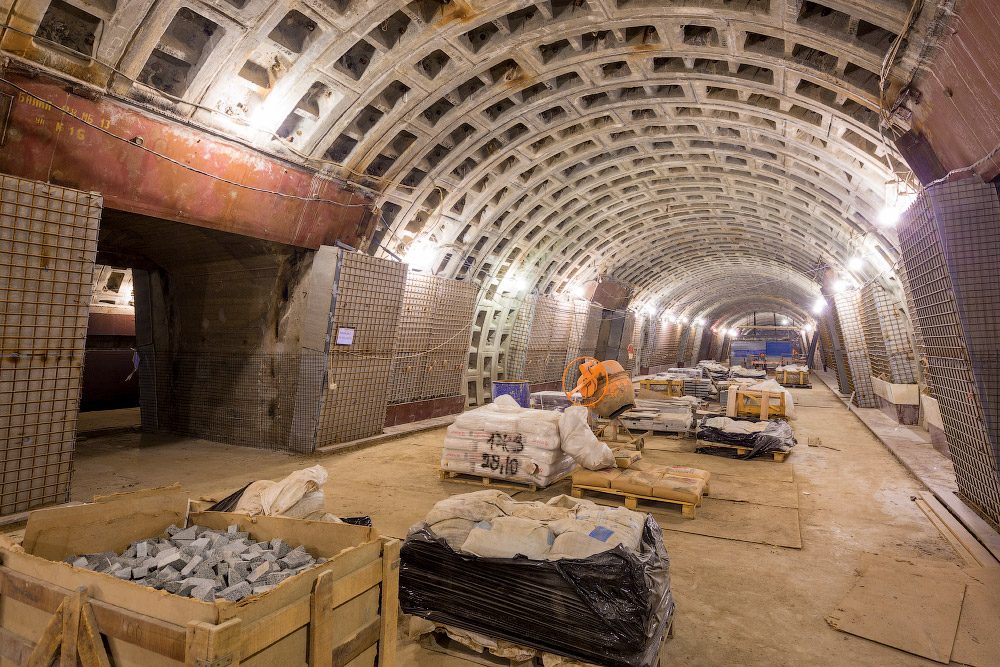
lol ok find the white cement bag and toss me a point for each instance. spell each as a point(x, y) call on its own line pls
point(477, 506)
point(275, 498)
point(575, 545)
point(540, 511)
point(453, 531)
point(580, 442)
point(508, 536)
point(608, 533)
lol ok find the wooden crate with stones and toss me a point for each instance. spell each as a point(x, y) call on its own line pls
point(341, 612)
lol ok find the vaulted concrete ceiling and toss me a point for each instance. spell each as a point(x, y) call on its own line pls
point(712, 154)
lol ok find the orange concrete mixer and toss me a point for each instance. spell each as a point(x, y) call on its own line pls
point(605, 386)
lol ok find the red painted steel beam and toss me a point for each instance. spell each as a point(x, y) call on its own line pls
point(959, 108)
point(44, 143)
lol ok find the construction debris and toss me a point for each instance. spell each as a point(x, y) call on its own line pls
point(203, 563)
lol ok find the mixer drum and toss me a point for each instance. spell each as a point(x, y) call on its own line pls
point(609, 381)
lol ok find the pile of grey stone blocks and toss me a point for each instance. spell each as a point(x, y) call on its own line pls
point(203, 563)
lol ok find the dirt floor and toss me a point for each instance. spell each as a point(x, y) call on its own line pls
point(739, 601)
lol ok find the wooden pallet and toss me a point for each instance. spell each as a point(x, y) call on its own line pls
point(793, 379)
point(778, 456)
point(669, 387)
point(632, 499)
point(438, 641)
point(481, 480)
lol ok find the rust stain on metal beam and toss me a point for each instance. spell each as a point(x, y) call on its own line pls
point(50, 143)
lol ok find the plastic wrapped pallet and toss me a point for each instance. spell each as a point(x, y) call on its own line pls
point(741, 372)
point(760, 436)
point(610, 607)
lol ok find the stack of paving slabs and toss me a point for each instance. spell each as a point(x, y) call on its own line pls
point(203, 563)
point(715, 370)
point(670, 415)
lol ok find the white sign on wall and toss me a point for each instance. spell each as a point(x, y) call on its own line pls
point(345, 336)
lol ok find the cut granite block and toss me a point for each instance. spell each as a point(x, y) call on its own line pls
point(201, 543)
point(189, 533)
point(279, 547)
point(142, 549)
point(130, 552)
point(237, 572)
point(192, 564)
point(297, 559)
point(261, 589)
point(172, 530)
point(123, 573)
point(173, 587)
point(259, 572)
point(80, 561)
point(275, 578)
point(204, 593)
point(236, 592)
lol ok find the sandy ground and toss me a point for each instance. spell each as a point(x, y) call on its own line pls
point(738, 602)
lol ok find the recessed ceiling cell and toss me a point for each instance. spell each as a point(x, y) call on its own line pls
point(480, 36)
point(432, 64)
point(356, 60)
point(389, 32)
point(700, 35)
point(180, 52)
point(294, 31)
point(70, 27)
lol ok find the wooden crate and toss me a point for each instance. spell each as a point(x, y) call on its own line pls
point(666, 387)
point(755, 403)
point(793, 378)
point(342, 613)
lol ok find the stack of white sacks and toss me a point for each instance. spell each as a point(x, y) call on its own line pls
point(505, 441)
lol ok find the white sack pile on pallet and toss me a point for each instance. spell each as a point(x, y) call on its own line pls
point(491, 524)
point(505, 441)
point(793, 368)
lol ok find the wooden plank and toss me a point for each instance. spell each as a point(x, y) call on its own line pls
point(357, 582)
point(48, 644)
point(967, 539)
point(211, 645)
point(150, 633)
point(947, 534)
point(90, 644)
point(272, 628)
point(321, 622)
point(390, 603)
point(482, 480)
point(72, 606)
point(972, 521)
point(15, 648)
point(147, 632)
point(360, 642)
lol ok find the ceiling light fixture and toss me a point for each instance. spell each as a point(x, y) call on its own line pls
point(420, 255)
point(819, 305)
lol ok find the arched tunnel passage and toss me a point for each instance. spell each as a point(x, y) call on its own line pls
point(334, 221)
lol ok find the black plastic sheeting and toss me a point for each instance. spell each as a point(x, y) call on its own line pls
point(611, 608)
point(777, 436)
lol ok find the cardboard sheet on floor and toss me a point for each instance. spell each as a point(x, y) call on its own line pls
point(911, 609)
point(743, 522)
point(756, 491)
point(978, 640)
point(762, 470)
